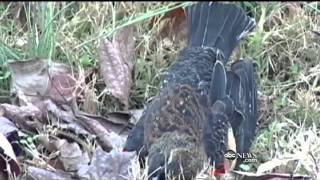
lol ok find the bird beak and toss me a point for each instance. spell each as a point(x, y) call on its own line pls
point(230, 164)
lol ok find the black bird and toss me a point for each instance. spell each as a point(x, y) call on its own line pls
point(188, 120)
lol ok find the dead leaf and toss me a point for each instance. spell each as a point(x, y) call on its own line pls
point(233, 175)
point(66, 116)
point(97, 129)
point(292, 9)
point(26, 117)
point(115, 125)
point(40, 79)
point(8, 160)
point(107, 166)
point(63, 88)
point(117, 141)
point(59, 116)
point(107, 129)
point(111, 125)
point(36, 173)
point(124, 117)
point(11, 132)
point(6, 126)
point(173, 24)
point(116, 59)
point(119, 117)
point(71, 155)
point(270, 165)
point(136, 115)
point(120, 124)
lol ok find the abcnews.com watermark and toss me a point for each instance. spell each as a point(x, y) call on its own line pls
point(243, 157)
point(230, 155)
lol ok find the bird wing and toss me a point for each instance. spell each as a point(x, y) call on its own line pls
point(244, 95)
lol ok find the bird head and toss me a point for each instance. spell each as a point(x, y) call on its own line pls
point(174, 155)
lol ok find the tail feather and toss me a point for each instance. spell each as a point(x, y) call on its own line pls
point(218, 25)
point(234, 88)
point(218, 83)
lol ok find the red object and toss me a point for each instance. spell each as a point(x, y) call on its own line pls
point(176, 13)
point(218, 171)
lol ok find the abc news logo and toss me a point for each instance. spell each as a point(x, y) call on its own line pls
point(231, 155)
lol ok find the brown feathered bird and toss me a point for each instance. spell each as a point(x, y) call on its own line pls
point(199, 99)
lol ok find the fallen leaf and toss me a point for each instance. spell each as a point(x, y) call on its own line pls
point(8, 160)
point(120, 124)
point(172, 29)
point(6, 126)
point(117, 141)
point(124, 117)
point(41, 79)
point(233, 175)
point(176, 25)
point(11, 132)
point(116, 60)
point(65, 115)
point(292, 9)
point(68, 156)
point(52, 108)
point(116, 126)
point(71, 155)
point(270, 165)
point(119, 117)
point(136, 115)
point(26, 117)
point(111, 125)
point(97, 129)
point(74, 129)
point(63, 88)
point(36, 173)
point(107, 166)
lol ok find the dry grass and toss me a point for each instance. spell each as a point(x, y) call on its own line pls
point(285, 50)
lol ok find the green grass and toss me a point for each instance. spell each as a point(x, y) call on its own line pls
point(283, 47)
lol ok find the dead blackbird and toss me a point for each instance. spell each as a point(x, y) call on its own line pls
point(188, 120)
point(186, 131)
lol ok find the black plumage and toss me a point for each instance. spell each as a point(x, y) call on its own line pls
point(187, 129)
point(242, 89)
point(188, 120)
